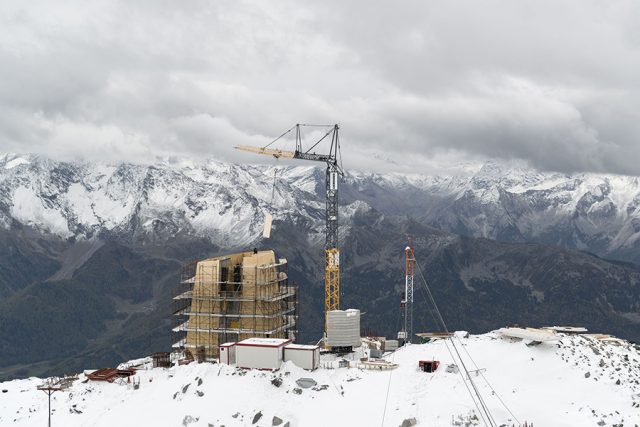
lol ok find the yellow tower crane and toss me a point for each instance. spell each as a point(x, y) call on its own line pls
point(334, 171)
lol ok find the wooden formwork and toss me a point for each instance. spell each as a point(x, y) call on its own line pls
point(234, 297)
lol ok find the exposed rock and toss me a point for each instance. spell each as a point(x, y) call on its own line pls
point(306, 382)
point(188, 419)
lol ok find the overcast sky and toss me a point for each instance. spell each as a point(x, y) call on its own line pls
point(415, 85)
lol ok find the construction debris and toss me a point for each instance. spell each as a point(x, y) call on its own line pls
point(110, 374)
point(161, 359)
point(430, 336)
point(567, 329)
point(533, 334)
point(381, 365)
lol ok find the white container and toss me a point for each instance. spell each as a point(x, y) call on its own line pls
point(260, 353)
point(304, 356)
point(228, 353)
point(390, 345)
point(343, 328)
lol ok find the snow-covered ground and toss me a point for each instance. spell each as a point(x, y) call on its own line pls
point(578, 381)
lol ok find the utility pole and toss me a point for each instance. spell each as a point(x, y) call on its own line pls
point(49, 389)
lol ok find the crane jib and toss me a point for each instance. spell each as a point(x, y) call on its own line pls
point(334, 169)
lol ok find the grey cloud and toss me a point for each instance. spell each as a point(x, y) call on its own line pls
point(415, 85)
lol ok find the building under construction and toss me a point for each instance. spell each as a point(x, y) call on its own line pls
point(231, 298)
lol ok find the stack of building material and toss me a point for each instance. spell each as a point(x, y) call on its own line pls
point(380, 365)
point(567, 329)
point(110, 374)
point(161, 359)
point(390, 345)
point(532, 334)
point(343, 328)
point(431, 336)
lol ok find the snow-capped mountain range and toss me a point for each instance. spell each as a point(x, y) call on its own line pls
point(108, 241)
point(227, 202)
point(224, 202)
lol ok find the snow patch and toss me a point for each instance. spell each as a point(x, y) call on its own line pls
point(16, 162)
point(29, 209)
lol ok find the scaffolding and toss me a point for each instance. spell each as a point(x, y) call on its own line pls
point(231, 298)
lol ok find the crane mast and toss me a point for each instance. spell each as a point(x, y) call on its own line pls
point(333, 173)
point(332, 253)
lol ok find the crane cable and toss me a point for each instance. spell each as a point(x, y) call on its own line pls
point(273, 189)
point(482, 403)
point(476, 366)
point(386, 399)
point(488, 383)
point(464, 381)
point(286, 132)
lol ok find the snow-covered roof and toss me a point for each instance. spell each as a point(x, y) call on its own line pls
point(568, 329)
point(228, 344)
point(301, 347)
point(264, 342)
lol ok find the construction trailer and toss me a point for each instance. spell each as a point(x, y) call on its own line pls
point(428, 365)
point(228, 353)
point(231, 298)
point(261, 353)
point(304, 356)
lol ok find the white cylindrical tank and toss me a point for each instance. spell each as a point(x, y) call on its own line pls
point(343, 328)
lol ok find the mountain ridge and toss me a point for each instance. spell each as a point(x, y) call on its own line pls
point(227, 202)
point(171, 218)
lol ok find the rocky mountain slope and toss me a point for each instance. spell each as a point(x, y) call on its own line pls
point(509, 202)
point(226, 202)
point(91, 255)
